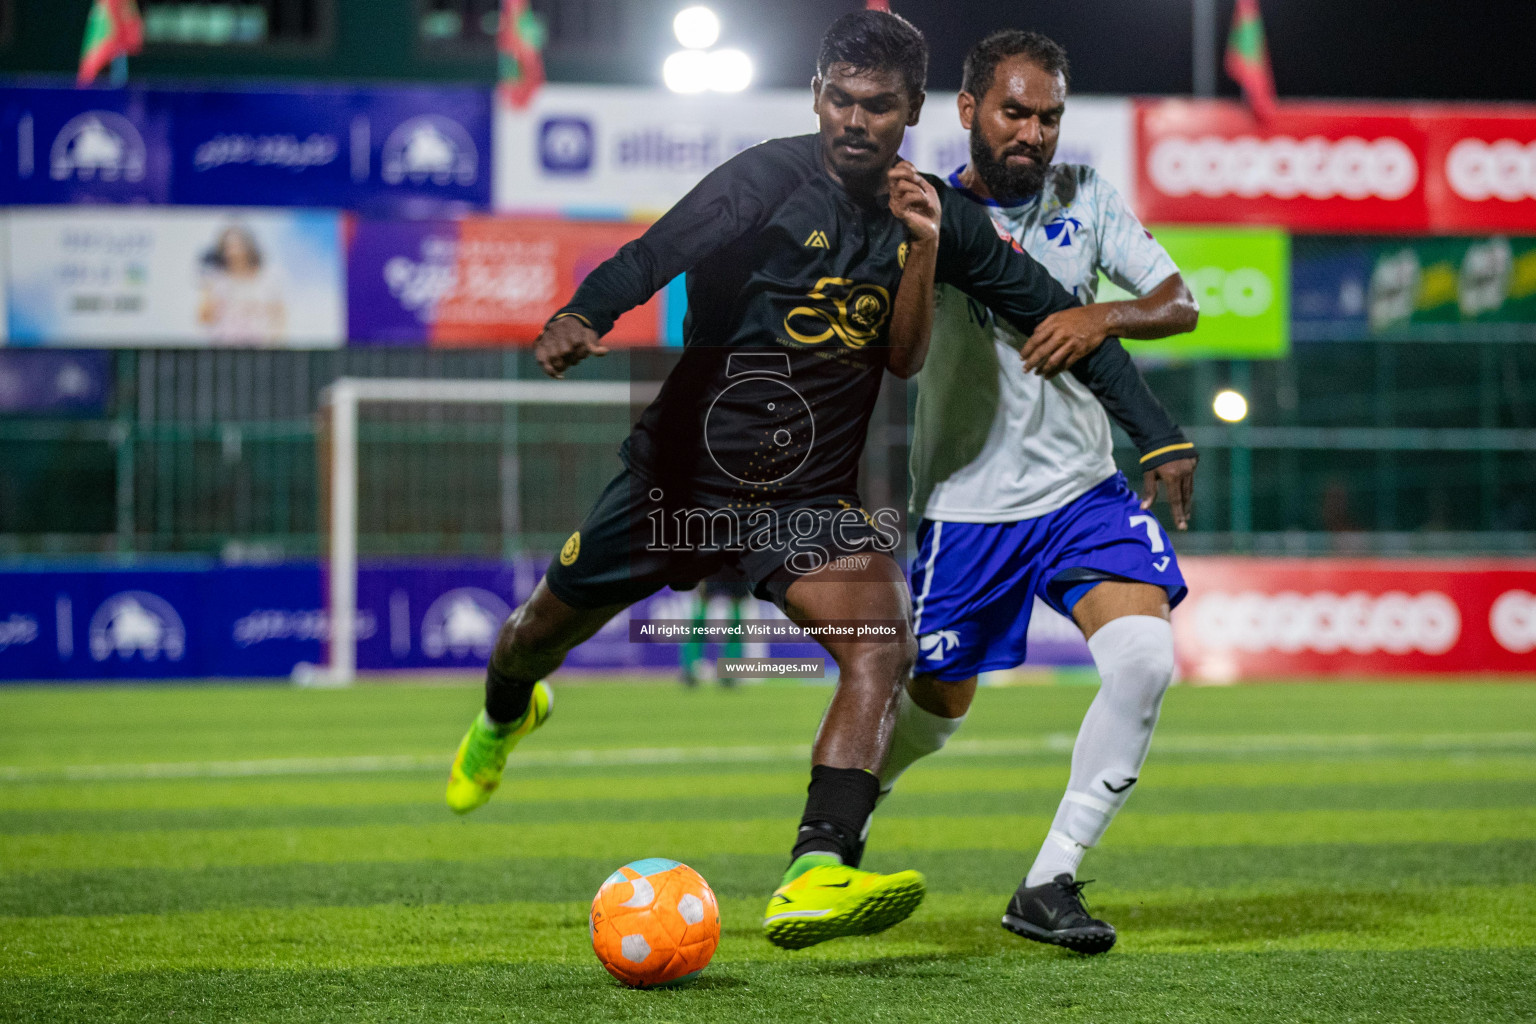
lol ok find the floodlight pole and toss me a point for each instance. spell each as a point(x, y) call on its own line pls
point(1204, 40)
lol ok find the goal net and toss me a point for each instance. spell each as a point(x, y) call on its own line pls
point(455, 468)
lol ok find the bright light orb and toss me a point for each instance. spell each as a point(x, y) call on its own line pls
point(696, 27)
point(729, 71)
point(1230, 406)
point(687, 71)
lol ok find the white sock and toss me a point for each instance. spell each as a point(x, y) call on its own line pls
point(918, 733)
point(1059, 854)
point(1134, 656)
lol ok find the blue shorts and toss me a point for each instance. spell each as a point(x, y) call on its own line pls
point(975, 584)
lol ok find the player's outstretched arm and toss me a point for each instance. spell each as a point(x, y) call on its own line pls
point(726, 204)
point(1065, 337)
point(915, 203)
point(1167, 456)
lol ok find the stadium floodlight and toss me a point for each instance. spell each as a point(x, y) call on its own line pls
point(342, 400)
point(687, 71)
point(697, 28)
point(729, 70)
point(697, 68)
point(1230, 406)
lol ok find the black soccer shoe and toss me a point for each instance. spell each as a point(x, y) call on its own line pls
point(1054, 913)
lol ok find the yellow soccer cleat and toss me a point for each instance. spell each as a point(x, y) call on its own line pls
point(482, 755)
point(832, 900)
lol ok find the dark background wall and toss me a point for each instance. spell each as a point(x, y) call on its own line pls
point(1358, 48)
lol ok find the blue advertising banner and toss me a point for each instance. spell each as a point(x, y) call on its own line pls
point(277, 149)
point(405, 152)
point(260, 622)
point(84, 146)
point(397, 273)
point(73, 383)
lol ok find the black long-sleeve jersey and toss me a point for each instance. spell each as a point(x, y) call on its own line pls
point(790, 284)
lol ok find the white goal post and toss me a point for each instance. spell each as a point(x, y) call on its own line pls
point(341, 400)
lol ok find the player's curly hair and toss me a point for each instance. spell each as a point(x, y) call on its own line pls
point(981, 63)
point(877, 41)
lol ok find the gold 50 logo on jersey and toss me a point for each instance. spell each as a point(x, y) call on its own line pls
point(852, 313)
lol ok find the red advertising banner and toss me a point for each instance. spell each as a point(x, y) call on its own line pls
point(1338, 167)
point(1319, 167)
point(1251, 618)
point(510, 276)
point(1482, 165)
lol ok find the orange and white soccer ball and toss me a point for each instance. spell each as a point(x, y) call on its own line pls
point(655, 922)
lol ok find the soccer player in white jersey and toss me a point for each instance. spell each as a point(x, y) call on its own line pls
point(1012, 474)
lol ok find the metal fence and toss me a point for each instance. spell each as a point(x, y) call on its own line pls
point(1368, 447)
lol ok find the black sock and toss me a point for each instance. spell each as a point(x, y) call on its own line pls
point(838, 804)
point(505, 698)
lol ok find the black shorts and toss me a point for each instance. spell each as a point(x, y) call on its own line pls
point(633, 543)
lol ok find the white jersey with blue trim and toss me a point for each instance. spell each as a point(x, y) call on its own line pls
point(993, 444)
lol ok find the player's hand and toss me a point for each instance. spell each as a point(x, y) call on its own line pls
point(914, 202)
point(565, 342)
point(1178, 477)
point(1063, 338)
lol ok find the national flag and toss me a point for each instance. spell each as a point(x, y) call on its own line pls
point(1248, 59)
point(113, 30)
point(877, 5)
point(519, 38)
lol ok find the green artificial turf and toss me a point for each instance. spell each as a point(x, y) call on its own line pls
point(1344, 852)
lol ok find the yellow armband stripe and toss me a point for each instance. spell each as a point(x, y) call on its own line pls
point(1166, 449)
point(578, 316)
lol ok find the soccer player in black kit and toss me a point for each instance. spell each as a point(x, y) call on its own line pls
point(746, 462)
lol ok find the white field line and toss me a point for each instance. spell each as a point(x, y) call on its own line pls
point(621, 756)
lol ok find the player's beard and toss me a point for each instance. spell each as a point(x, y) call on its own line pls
point(1004, 181)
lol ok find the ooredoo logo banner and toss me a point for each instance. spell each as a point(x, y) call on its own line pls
point(1313, 166)
point(1268, 618)
point(1339, 166)
point(1483, 170)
